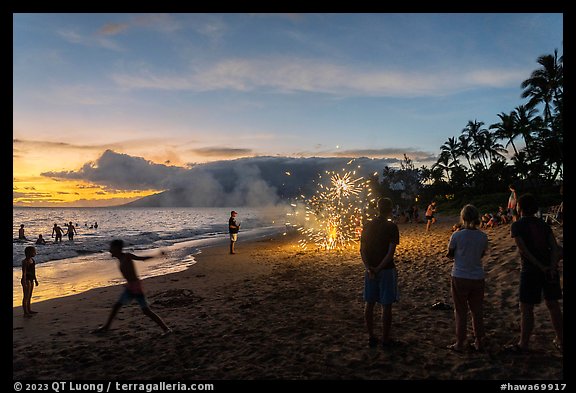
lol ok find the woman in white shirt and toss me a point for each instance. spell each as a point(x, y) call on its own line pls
point(467, 247)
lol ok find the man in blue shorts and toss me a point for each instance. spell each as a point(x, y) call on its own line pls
point(377, 246)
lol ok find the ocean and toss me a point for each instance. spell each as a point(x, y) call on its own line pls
point(84, 263)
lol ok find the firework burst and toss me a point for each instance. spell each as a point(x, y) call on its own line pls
point(333, 216)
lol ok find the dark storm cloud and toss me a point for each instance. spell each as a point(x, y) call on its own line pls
point(252, 181)
point(121, 171)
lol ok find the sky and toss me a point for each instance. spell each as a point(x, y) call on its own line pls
point(183, 89)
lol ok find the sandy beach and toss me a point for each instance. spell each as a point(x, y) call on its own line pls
point(273, 311)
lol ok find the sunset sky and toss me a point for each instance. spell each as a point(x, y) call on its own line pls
point(177, 89)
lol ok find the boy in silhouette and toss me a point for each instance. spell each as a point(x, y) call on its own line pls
point(132, 288)
point(71, 231)
point(21, 235)
point(58, 231)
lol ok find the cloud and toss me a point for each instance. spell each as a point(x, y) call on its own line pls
point(252, 181)
point(81, 94)
point(222, 152)
point(23, 145)
point(158, 22)
point(290, 16)
point(57, 145)
point(289, 74)
point(121, 171)
point(113, 28)
point(37, 201)
point(397, 153)
point(93, 40)
point(18, 194)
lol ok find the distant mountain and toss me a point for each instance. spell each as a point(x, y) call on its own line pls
point(171, 198)
point(253, 181)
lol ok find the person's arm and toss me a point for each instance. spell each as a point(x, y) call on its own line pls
point(387, 259)
point(485, 249)
point(369, 270)
point(527, 254)
point(555, 252)
point(364, 258)
point(139, 258)
point(24, 269)
point(451, 247)
point(35, 280)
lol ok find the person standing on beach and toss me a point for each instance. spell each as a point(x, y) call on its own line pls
point(71, 231)
point(467, 246)
point(58, 231)
point(377, 246)
point(512, 211)
point(132, 288)
point(430, 219)
point(539, 274)
point(21, 235)
point(28, 279)
point(233, 228)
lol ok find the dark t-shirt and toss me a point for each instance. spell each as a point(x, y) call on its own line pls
point(231, 222)
point(376, 238)
point(535, 233)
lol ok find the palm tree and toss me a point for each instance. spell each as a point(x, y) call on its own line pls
point(527, 122)
point(506, 129)
point(452, 148)
point(494, 150)
point(545, 84)
point(474, 133)
point(521, 164)
point(444, 164)
point(426, 175)
point(465, 149)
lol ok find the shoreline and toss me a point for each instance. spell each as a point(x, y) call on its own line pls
point(65, 277)
point(274, 311)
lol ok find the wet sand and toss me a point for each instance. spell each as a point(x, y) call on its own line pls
point(273, 311)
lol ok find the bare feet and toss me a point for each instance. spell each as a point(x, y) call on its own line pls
point(455, 348)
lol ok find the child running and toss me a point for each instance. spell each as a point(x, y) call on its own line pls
point(133, 288)
point(467, 246)
point(430, 219)
point(28, 279)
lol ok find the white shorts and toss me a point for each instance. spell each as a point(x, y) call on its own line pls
point(233, 237)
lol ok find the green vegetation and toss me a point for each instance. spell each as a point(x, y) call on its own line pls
point(525, 148)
